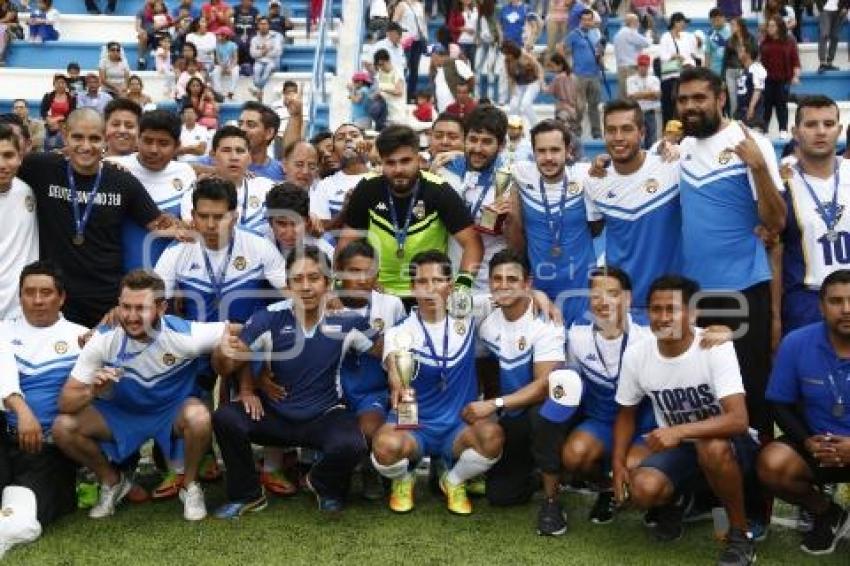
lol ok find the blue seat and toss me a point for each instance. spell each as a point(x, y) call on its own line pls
point(835, 84)
point(298, 8)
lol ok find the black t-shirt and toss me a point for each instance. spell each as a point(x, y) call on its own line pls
point(245, 22)
point(94, 269)
point(438, 212)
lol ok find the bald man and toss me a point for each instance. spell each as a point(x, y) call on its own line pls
point(82, 203)
point(300, 163)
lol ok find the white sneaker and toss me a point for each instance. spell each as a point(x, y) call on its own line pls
point(192, 496)
point(110, 497)
point(4, 548)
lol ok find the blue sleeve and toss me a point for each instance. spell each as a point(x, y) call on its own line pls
point(783, 386)
point(259, 323)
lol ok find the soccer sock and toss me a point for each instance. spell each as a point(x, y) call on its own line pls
point(395, 471)
point(272, 458)
point(18, 522)
point(469, 465)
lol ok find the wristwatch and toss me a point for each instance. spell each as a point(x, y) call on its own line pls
point(500, 405)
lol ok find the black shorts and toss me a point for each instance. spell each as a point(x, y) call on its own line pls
point(49, 474)
point(822, 475)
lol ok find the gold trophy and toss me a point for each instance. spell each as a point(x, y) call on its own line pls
point(491, 223)
point(406, 368)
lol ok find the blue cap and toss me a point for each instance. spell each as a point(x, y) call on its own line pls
point(565, 390)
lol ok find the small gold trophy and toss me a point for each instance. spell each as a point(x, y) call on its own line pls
point(406, 369)
point(491, 223)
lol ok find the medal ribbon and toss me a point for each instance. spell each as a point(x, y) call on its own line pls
point(625, 341)
point(555, 227)
point(80, 223)
point(485, 180)
point(401, 232)
point(217, 281)
point(444, 360)
point(829, 219)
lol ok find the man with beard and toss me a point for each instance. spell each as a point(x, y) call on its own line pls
point(352, 153)
point(817, 197)
point(638, 199)
point(548, 218)
point(473, 176)
point(404, 211)
point(730, 190)
point(122, 126)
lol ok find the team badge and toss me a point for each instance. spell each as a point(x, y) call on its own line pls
point(378, 324)
point(168, 359)
point(460, 327)
point(522, 343)
point(240, 263)
point(29, 203)
point(60, 347)
point(254, 202)
point(419, 210)
point(573, 188)
point(724, 157)
point(558, 392)
point(651, 186)
point(177, 184)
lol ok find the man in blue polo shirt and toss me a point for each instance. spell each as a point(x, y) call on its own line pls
point(305, 346)
point(583, 44)
point(809, 392)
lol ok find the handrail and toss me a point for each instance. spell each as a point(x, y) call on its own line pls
point(361, 31)
point(318, 82)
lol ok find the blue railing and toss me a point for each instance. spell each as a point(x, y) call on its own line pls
point(318, 86)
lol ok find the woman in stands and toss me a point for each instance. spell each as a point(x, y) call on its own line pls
point(204, 41)
point(55, 107)
point(781, 59)
point(741, 36)
point(194, 95)
point(525, 75)
point(209, 109)
point(9, 27)
point(135, 91)
point(114, 70)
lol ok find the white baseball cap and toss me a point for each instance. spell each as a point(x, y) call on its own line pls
point(565, 390)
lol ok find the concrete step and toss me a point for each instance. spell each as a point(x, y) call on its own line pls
point(298, 8)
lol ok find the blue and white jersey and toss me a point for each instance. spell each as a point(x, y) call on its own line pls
point(643, 221)
point(361, 373)
point(446, 382)
point(156, 375)
point(167, 188)
point(519, 344)
point(253, 263)
point(44, 358)
point(305, 361)
point(808, 255)
point(720, 212)
point(328, 195)
point(566, 270)
point(250, 204)
point(598, 359)
point(470, 185)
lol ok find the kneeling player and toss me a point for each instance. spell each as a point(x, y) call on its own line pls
point(132, 383)
point(444, 347)
point(810, 394)
point(528, 349)
point(698, 398)
point(363, 379)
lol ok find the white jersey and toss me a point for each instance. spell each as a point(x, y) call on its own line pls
point(18, 241)
point(684, 389)
point(250, 204)
point(519, 344)
point(193, 137)
point(809, 254)
point(328, 195)
point(10, 384)
point(384, 311)
point(44, 358)
point(166, 187)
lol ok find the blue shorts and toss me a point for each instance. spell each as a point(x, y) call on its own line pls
point(681, 465)
point(604, 433)
point(130, 430)
point(369, 403)
point(434, 440)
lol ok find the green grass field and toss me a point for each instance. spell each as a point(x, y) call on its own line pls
point(292, 531)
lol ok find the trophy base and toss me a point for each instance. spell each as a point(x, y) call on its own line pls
point(408, 426)
point(488, 231)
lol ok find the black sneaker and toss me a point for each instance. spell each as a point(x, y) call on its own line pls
point(831, 67)
point(740, 549)
point(669, 527)
point(698, 506)
point(551, 519)
point(650, 518)
point(828, 529)
point(602, 511)
point(821, 69)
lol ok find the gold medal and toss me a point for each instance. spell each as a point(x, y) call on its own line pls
point(460, 327)
point(78, 239)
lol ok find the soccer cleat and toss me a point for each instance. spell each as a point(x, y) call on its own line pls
point(110, 497)
point(237, 509)
point(192, 496)
point(209, 469)
point(476, 487)
point(740, 549)
point(551, 519)
point(827, 530)
point(669, 526)
point(401, 494)
point(456, 499)
point(169, 486)
point(372, 483)
point(275, 482)
point(602, 511)
point(327, 504)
